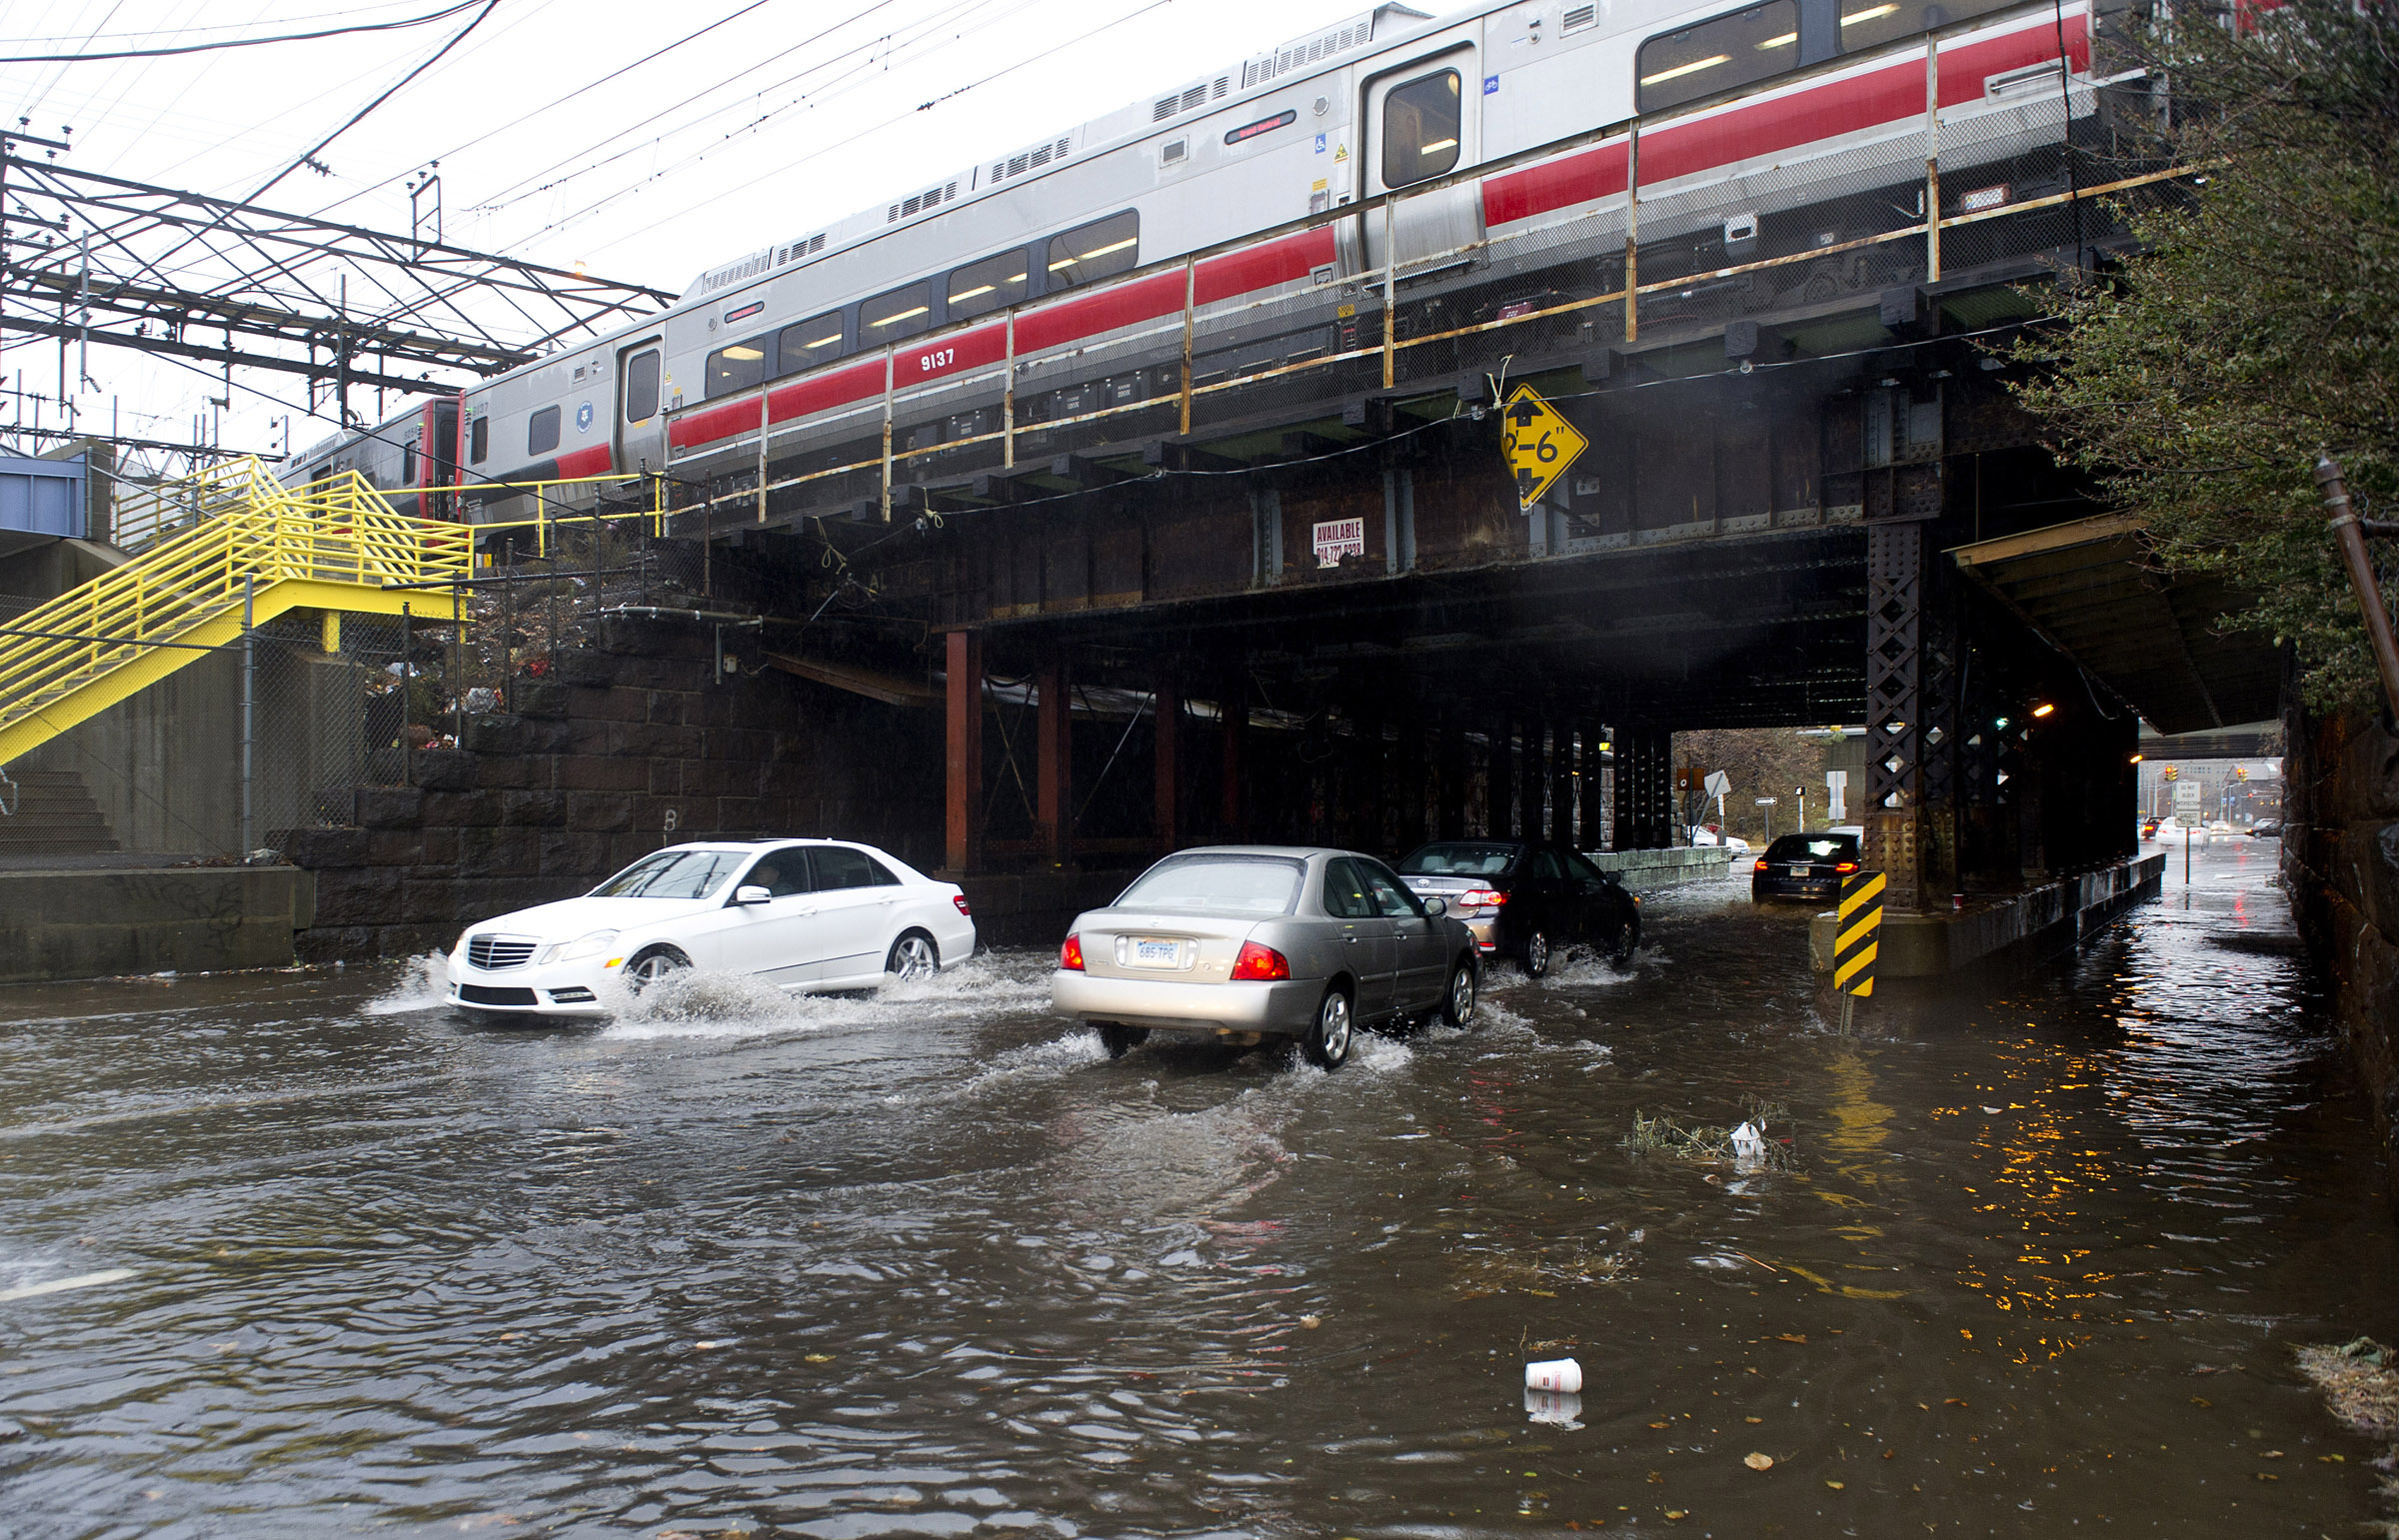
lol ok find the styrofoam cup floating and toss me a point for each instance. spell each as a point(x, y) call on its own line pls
point(1561, 1374)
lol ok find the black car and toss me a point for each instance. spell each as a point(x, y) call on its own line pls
point(2266, 829)
point(1525, 899)
point(1804, 866)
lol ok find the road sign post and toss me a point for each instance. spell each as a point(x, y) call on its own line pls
point(1856, 938)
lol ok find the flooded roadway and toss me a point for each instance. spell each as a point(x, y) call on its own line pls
point(930, 1265)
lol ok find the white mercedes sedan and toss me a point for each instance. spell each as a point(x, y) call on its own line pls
point(805, 916)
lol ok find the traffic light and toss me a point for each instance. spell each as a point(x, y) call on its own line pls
point(2172, 773)
point(2240, 773)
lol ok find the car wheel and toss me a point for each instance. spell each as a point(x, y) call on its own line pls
point(1537, 954)
point(650, 967)
point(1627, 941)
point(1458, 1003)
point(912, 957)
point(1328, 1041)
point(1121, 1041)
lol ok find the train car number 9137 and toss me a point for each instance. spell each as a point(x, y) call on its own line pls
point(940, 359)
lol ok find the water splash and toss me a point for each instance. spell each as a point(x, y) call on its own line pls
point(424, 985)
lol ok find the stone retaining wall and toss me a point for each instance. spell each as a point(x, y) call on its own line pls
point(2340, 859)
point(628, 746)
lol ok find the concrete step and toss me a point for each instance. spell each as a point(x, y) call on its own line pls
point(52, 813)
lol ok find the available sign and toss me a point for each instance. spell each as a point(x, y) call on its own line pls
point(1338, 537)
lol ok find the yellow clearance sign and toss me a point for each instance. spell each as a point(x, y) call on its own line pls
point(1538, 443)
point(1853, 944)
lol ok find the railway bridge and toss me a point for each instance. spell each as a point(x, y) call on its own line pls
point(1299, 589)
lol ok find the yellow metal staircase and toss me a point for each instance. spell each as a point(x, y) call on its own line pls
point(332, 546)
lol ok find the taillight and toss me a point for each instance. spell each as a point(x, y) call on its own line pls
point(960, 901)
point(1069, 956)
point(1760, 866)
point(1845, 867)
point(1260, 962)
point(1481, 899)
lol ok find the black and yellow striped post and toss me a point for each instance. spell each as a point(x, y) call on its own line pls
point(1856, 937)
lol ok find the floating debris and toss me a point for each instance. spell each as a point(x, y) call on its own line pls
point(2358, 1384)
point(1743, 1146)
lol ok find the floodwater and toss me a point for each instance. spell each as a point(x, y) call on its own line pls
point(930, 1265)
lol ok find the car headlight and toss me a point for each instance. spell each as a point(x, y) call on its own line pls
point(582, 947)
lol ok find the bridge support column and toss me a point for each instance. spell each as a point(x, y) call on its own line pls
point(1167, 725)
point(1449, 792)
point(1562, 784)
point(1644, 789)
point(1530, 805)
point(1054, 762)
point(1499, 782)
point(1233, 716)
point(1911, 719)
point(962, 797)
point(1591, 833)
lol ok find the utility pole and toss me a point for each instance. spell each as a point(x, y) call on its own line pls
point(2349, 534)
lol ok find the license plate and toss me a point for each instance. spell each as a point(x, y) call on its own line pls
point(1798, 871)
point(1151, 954)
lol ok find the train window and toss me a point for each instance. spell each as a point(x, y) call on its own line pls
point(1420, 123)
point(479, 440)
point(736, 367)
point(808, 342)
point(408, 463)
point(641, 387)
point(895, 313)
point(987, 285)
point(1865, 23)
point(1104, 246)
point(540, 431)
point(1735, 50)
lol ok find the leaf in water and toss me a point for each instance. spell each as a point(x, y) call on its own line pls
point(1757, 1461)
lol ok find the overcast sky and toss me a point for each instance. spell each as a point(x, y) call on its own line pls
point(789, 114)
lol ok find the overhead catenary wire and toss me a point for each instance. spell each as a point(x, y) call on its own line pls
point(823, 150)
point(94, 57)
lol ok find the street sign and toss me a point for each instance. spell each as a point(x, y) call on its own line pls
point(1689, 778)
point(1538, 443)
point(1765, 802)
point(1856, 936)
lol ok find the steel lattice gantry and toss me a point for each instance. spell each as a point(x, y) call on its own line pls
point(91, 258)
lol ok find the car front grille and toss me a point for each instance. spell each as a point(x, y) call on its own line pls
point(494, 952)
point(485, 994)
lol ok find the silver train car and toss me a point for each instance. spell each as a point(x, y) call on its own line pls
point(1766, 128)
point(411, 457)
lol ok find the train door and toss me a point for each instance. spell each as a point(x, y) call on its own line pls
point(1422, 121)
point(641, 425)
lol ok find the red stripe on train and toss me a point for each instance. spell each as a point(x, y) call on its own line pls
point(583, 462)
point(1765, 128)
point(1222, 278)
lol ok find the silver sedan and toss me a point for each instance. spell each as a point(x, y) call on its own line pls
point(1243, 941)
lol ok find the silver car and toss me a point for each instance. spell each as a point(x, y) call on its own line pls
point(1244, 941)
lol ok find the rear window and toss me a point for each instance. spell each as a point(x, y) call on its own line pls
point(838, 867)
point(672, 874)
point(1217, 885)
point(1459, 859)
point(1813, 848)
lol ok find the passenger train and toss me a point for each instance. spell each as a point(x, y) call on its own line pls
point(1763, 129)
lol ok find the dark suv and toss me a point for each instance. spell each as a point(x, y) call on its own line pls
point(1804, 866)
point(1526, 898)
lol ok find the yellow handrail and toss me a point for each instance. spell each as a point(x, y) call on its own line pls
point(260, 539)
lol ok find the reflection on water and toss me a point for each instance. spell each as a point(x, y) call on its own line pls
point(929, 1263)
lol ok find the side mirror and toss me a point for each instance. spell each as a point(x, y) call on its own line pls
point(1436, 908)
point(746, 895)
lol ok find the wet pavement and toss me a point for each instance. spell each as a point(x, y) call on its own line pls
point(930, 1265)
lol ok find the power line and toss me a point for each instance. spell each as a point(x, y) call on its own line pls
point(594, 207)
point(561, 101)
point(360, 116)
point(242, 42)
